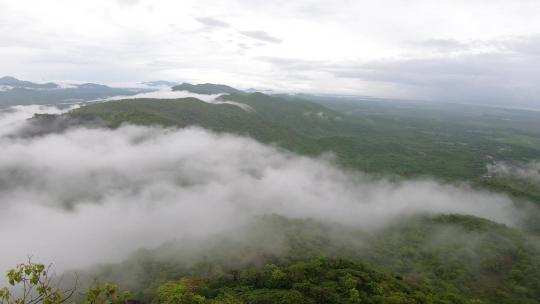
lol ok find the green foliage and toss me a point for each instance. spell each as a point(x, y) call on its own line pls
point(471, 256)
point(317, 281)
point(450, 143)
point(31, 283)
point(184, 292)
point(513, 185)
point(106, 294)
point(443, 259)
point(453, 255)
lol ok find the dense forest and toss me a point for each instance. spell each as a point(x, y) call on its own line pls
point(274, 259)
point(439, 259)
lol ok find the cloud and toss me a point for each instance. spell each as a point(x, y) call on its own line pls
point(493, 78)
point(443, 44)
point(14, 118)
point(527, 171)
point(501, 72)
point(213, 22)
point(261, 35)
point(93, 195)
point(103, 44)
point(128, 2)
point(168, 93)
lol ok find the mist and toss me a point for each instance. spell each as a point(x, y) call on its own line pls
point(14, 118)
point(528, 171)
point(91, 195)
point(168, 93)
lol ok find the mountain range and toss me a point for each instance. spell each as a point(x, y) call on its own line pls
point(19, 92)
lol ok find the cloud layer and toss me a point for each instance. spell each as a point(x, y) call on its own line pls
point(168, 93)
point(452, 50)
point(93, 195)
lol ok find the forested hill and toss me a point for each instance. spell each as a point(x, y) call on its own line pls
point(382, 138)
point(424, 259)
point(440, 259)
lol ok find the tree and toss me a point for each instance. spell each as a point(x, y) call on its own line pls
point(106, 294)
point(183, 292)
point(32, 283)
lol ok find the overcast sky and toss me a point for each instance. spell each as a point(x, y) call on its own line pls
point(460, 50)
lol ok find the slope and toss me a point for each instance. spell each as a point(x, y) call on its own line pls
point(464, 256)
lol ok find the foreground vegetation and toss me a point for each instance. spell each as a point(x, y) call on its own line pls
point(428, 259)
point(317, 281)
point(440, 259)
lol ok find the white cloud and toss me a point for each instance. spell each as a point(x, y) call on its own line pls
point(93, 195)
point(13, 118)
point(528, 171)
point(123, 41)
point(168, 93)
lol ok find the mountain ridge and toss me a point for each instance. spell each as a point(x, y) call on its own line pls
point(20, 92)
point(207, 88)
point(17, 83)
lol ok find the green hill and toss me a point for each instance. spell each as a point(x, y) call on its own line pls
point(378, 139)
point(428, 259)
point(447, 257)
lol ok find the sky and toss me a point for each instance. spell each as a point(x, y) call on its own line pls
point(467, 51)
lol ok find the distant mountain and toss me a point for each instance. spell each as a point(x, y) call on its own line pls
point(92, 86)
point(16, 83)
point(19, 92)
point(207, 88)
point(160, 83)
point(265, 91)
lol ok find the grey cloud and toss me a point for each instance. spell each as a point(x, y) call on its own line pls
point(261, 35)
point(83, 189)
point(444, 44)
point(497, 78)
point(213, 22)
point(522, 45)
point(509, 75)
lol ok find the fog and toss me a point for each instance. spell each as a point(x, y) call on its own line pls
point(14, 118)
point(168, 93)
point(85, 196)
point(528, 171)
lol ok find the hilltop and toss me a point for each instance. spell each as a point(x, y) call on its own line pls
point(206, 88)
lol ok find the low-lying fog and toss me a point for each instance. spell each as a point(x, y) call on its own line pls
point(94, 195)
point(168, 93)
